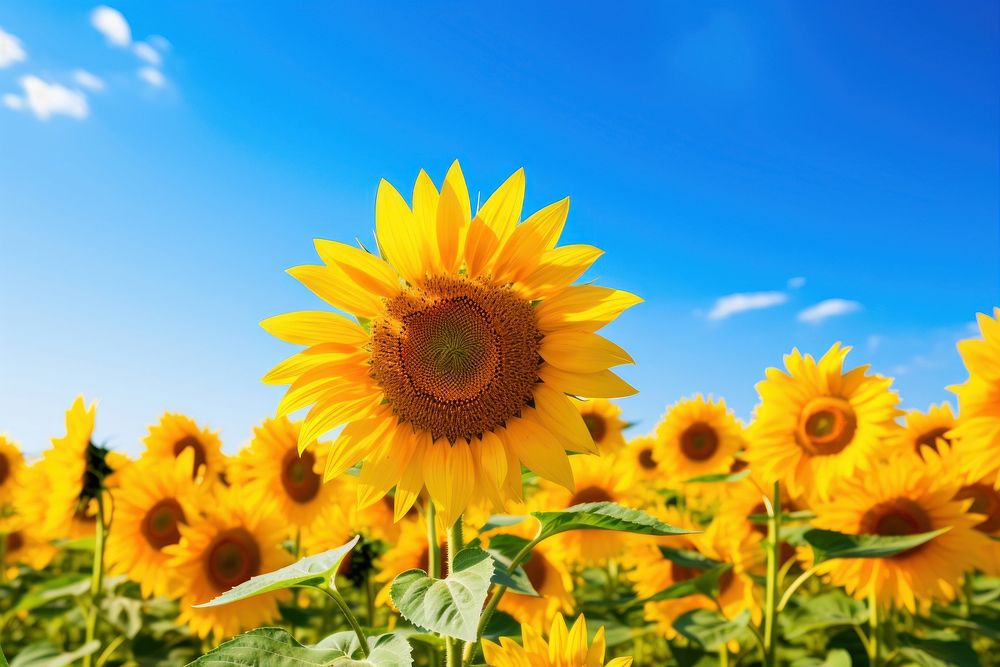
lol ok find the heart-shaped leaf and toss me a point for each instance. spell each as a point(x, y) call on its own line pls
point(449, 606)
point(318, 570)
point(829, 544)
point(710, 628)
point(503, 549)
point(603, 516)
point(389, 650)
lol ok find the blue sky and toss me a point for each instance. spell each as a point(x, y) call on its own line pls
point(711, 149)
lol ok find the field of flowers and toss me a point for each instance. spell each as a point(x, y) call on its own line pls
point(446, 482)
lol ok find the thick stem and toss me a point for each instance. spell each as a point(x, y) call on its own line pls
point(433, 546)
point(723, 656)
point(773, 564)
point(453, 655)
point(874, 648)
point(96, 579)
point(345, 609)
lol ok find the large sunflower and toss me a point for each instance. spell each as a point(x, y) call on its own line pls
point(11, 465)
point(233, 541)
point(978, 427)
point(174, 433)
point(59, 493)
point(151, 504)
point(901, 496)
point(463, 337)
point(925, 429)
point(697, 437)
point(603, 420)
point(272, 467)
point(817, 422)
point(564, 648)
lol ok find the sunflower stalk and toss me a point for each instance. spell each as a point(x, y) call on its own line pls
point(453, 656)
point(3, 558)
point(96, 579)
point(874, 647)
point(345, 608)
point(773, 565)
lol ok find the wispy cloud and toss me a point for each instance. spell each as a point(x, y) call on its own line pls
point(823, 310)
point(11, 50)
point(46, 99)
point(729, 305)
point(110, 23)
point(152, 76)
point(796, 282)
point(88, 80)
point(147, 53)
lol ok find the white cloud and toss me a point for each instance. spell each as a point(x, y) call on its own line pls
point(12, 101)
point(11, 50)
point(152, 76)
point(88, 80)
point(47, 99)
point(830, 308)
point(796, 282)
point(159, 42)
point(110, 23)
point(147, 53)
point(731, 304)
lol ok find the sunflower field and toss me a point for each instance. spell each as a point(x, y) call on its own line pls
point(446, 482)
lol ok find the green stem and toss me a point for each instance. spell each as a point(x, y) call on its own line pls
point(802, 578)
point(874, 648)
point(723, 656)
point(370, 598)
point(345, 609)
point(96, 579)
point(433, 546)
point(110, 650)
point(773, 564)
point(453, 656)
point(3, 558)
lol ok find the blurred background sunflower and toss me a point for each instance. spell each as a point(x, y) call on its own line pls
point(173, 434)
point(978, 426)
point(697, 437)
point(603, 420)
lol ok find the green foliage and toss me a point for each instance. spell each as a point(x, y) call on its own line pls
point(710, 628)
point(47, 654)
point(275, 647)
point(937, 651)
point(829, 544)
point(603, 516)
point(503, 549)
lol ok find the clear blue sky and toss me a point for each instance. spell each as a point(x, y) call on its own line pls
point(710, 148)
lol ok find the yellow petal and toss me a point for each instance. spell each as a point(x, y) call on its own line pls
point(450, 477)
point(491, 461)
point(583, 307)
point(502, 211)
point(298, 364)
point(323, 418)
point(582, 352)
point(425, 203)
point(525, 248)
point(312, 327)
point(412, 481)
point(396, 232)
point(362, 268)
point(560, 267)
point(331, 284)
point(384, 467)
point(451, 225)
point(602, 384)
point(481, 245)
point(558, 414)
point(539, 450)
point(456, 180)
point(354, 442)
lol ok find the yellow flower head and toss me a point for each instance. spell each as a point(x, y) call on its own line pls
point(638, 460)
point(978, 429)
point(697, 437)
point(462, 340)
point(603, 420)
point(565, 648)
point(174, 433)
point(271, 467)
point(233, 541)
point(902, 496)
point(817, 422)
point(24, 544)
point(925, 430)
point(11, 465)
point(151, 504)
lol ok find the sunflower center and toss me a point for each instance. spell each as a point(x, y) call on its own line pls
point(985, 501)
point(161, 525)
point(233, 557)
point(13, 542)
point(456, 357)
point(301, 482)
point(900, 516)
point(699, 441)
point(826, 426)
point(199, 451)
point(646, 460)
point(596, 425)
point(930, 439)
point(590, 494)
point(537, 570)
point(4, 469)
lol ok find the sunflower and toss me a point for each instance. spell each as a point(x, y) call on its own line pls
point(464, 340)
point(548, 575)
point(233, 541)
point(697, 437)
point(638, 460)
point(24, 545)
point(925, 429)
point(978, 428)
point(901, 496)
point(817, 422)
point(603, 420)
point(151, 503)
point(174, 433)
point(565, 648)
point(742, 509)
point(271, 467)
point(596, 481)
point(11, 465)
point(59, 493)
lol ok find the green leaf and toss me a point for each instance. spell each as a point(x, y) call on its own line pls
point(603, 516)
point(706, 583)
point(449, 606)
point(267, 647)
point(503, 549)
point(837, 657)
point(934, 652)
point(827, 610)
point(47, 654)
point(718, 477)
point(318, 570)
point(710, 628)
point(689, 558)
point(67, 585)
point(829, 544)
point(389, 650)
point(501, 521)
